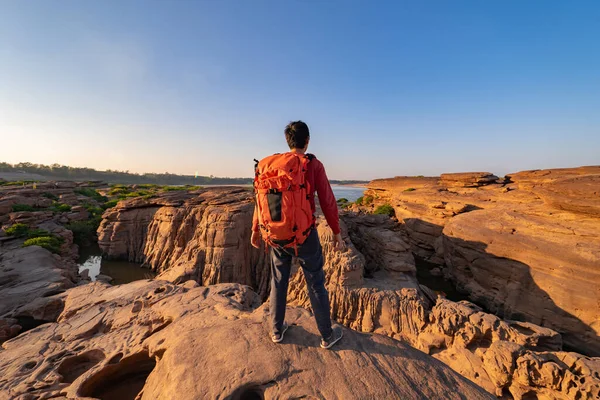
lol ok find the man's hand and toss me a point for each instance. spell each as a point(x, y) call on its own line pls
point(255, 239)
point(338, 242)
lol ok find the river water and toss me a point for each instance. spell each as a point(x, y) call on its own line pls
point(90, 257)
point(348, 192)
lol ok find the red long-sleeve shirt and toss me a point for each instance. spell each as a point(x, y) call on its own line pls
point(318, 181)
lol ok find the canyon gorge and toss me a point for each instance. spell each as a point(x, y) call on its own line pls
point(522, 250)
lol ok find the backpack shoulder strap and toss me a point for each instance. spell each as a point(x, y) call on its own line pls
point(310, 156)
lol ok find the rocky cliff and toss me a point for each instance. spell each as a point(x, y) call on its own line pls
point(373, 288)
point(525, 247)
point(373, 285)
point(156, 340)
point(202, 235)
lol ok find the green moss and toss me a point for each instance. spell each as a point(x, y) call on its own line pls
point(385, 209)
point(50, 243)
point(22, 207)
point(17, 230)
point(409, 190)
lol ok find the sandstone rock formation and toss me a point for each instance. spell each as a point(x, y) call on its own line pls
point(202, 235)
point(526, 248)
point(373, 288)
point(155, 340)
point(32, 273)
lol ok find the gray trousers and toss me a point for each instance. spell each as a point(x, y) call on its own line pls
point(310, 255)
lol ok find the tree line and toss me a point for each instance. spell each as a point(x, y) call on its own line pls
point(65, 172)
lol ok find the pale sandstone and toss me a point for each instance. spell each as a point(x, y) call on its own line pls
point(530, 252)
point(185, 342)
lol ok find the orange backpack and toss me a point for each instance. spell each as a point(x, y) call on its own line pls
point(281, 190)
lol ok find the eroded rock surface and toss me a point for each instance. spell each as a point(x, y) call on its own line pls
point(28, 274)
point(202, 235)
point(526, 247)
point(508, 358)
point(156, 340)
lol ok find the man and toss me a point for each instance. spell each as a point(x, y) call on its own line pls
point(309, 252)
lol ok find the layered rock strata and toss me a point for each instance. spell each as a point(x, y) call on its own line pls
point(202, 235)
point(526, 248)
point(375, 290)
point(156, 340)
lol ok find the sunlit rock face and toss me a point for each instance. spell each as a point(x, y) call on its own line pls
point(202, 235)
point(157, 340)
point(524, 246)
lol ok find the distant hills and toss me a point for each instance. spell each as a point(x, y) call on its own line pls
point(26, 171)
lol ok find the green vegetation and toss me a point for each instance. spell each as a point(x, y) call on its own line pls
point(368, 200)
point(64, 172)
point(83, 231)
point(50, 242)
point(60, 207)
point(92, 193)
point(15, 183)
point(409, 190)
point(344, 202)
point(385, 209)
point(360, 200)
point(109, 204)
point(22, 207)
point(36, 237)
point(35, 233)
point(50, 196)
point(17, 230)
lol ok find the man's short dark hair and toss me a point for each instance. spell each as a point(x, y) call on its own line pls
point(297, 134)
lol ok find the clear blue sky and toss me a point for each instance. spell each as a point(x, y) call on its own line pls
point(387, 88)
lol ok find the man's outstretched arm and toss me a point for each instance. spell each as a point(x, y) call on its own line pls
point(328, 204)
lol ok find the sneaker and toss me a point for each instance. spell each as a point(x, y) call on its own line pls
point(278, 337)
point(336, 335)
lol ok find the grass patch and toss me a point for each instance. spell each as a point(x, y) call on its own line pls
point(50, 242)
point(360, 201)
point(35, 233)
point(22, 207)
point(109, 204)
point(385, 209)
point(342, 200)
point(16, 183)
point(409, 190)
point(59, 207)
point(92, 193)
point(17, 230)
point(368, 200)
point(148, 186)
